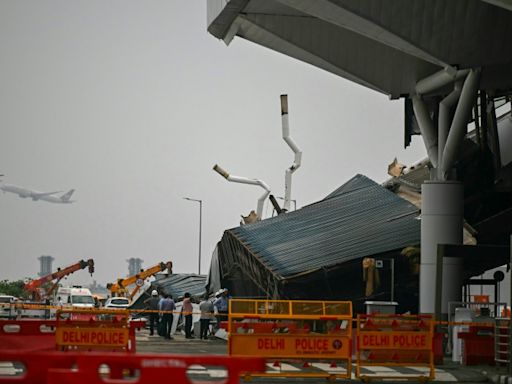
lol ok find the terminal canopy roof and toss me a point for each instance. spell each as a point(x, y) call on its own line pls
point(385, 45)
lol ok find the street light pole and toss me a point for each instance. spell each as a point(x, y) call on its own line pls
point(200, 226)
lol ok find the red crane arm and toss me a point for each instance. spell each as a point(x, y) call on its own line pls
point(31, 286)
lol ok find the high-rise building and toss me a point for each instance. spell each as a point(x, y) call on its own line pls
point(45, 265)
point(134, 265)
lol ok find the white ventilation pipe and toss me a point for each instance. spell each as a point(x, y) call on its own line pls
point(296, 150)
point(245, 180)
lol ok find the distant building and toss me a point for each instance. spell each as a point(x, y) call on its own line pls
point(134, 266)
point(45, 265)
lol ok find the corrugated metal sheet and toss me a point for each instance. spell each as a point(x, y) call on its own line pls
point(354, 184)
point(361, 218)
point(177, 284)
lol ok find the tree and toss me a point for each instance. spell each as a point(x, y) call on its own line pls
point(13, 288)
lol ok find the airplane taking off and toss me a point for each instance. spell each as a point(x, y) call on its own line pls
point(35, 195)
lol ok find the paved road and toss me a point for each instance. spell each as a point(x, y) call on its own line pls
point(180, 345)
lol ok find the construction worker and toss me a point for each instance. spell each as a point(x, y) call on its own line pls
point(222, 305)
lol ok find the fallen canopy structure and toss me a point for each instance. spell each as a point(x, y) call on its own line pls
point(316, 252)
point(175, 285)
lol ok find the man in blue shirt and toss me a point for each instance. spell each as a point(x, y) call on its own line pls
point(167, 307)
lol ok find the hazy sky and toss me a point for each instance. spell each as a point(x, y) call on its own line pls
point(132, 103)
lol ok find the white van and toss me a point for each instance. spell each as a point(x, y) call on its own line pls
point(76, 297)
point(7, 309)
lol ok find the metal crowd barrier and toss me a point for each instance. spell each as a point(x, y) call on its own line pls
point(395, 340)
point(311, 333)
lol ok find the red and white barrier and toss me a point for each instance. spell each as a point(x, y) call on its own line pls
point(37, 334)
point(27, 335)
point(86, 367)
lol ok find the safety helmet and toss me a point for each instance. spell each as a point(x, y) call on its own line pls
point(154, 292)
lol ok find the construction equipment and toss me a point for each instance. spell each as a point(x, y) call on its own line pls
point(37, 289)
point(120, 288)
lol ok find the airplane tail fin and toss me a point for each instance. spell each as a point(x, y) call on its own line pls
point(67, 195)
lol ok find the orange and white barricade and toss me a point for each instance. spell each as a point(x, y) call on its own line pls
point(93, 330)
point(395, 340)
point(297, 338)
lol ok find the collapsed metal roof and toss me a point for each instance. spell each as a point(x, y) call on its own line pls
point(175, 285)
point(359, 219)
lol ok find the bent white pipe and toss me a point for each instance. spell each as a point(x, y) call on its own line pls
point(296, 150)
point(245, 180)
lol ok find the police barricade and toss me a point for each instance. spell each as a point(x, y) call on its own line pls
point(27, 335)
point(94, 367)
point(395, 340)
point(36, 334)
point(93, 330)
point(297, 338)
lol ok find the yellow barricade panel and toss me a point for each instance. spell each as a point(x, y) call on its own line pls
point(395, 340)
point(100, 329)
point(290, 346)
point(91, 336)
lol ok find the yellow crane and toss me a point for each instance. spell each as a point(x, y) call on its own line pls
point(120, 288)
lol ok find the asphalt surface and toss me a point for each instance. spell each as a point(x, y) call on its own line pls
point(180, 345)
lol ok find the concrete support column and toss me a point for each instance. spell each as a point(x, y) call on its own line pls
point(442, 211)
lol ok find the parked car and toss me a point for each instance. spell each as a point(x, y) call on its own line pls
point(6, 310)
point(117, 303)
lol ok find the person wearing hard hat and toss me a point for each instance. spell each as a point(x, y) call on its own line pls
point(222, 305)
point(152, 305)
